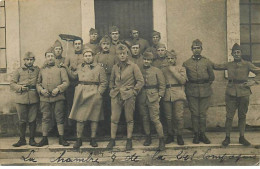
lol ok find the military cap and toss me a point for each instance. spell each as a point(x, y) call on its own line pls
point(161, 45)
point(148, 55)
point(121, 47)
point(50, 50)
point(171, 54)
point(92, 31)
point(196, 42)
point(236, 47)
point(156, 33)
point(57, 43)
point(29, 55)
point(87, 50)
point(105, 38)
point(113, 29)
point(133, 29)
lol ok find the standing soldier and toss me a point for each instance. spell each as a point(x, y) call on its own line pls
point(93, 44)
point(92, 82)
point(238, 92)
point(161, 53)
point(51, 85)
point(24, 84)
point(173, 101)
point(57, 50)
point(125, 82)
point(136, 57)
point(198, 90)
point(134, 39)
point(156, 37)
point(149, 98)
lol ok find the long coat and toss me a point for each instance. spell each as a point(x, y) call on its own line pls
point(87, 102)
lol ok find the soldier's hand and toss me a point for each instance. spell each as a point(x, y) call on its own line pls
point(160, 98)
point(45, 92)
point(55, 92)
point(24, 88)
point(249, 83)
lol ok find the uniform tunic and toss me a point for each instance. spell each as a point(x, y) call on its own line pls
point(94, 46)
point(144, 44)
point(137, 60)
point(87, 101)
point(107, 61)
point(160, 62)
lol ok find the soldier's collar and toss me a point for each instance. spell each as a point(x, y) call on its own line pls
point(58, 57)
point(105, 52)
point(78, 52)
point(116, 43)
point(24, 67)
point(146, 67)
point(136, 56)
point(196, 58)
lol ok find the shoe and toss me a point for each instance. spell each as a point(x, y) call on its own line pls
point(169, 139)
point(161, 144)
point(180, 140)
point(21, 142)
point(226, 142)
point(32, 142)
point(203, 138)
point(77, 144)
point(243, 141)
point(128, 145)
point(111, 144)
point(62, 141)
point(93, 142)
point(148, 140)
point(196, 139)
point(43, 142)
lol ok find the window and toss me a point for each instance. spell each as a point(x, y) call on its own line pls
point(3, 63)
point(250, 30)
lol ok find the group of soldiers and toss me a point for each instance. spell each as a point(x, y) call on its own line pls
point(104, 77)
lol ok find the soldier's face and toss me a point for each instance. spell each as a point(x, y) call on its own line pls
point(57, 51)
point(147, 62)
point(50, 58)
point(122, 55)
point(29, 62)
point(171, 60)
point(135, 34)
point(77, 45)
point(237, 54)
point(135, 50)
point(156, 39)
point(93, 36)
point(161, 52)
point(88, 57)
point(105, 46)
point(115, 35)
point(196, 50)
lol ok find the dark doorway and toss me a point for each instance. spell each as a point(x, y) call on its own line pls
point(125, 14)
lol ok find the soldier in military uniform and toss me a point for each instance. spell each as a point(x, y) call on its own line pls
point(198, 90)
point(57, 50)
point(173, 101)
point(26, 97)
point(135, 39)
point(93, 43)
point(136, 57)
point(92, 83)
point(51, 85)
point(156, 37)
point(238, 92)
point(149, 98)
point(161, 53)
point(125, 82)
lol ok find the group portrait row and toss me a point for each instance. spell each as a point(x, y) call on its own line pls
point(108, 74)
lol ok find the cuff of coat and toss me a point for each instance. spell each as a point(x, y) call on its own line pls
point(60, 89)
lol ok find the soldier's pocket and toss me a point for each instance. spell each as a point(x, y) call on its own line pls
point(153, 96)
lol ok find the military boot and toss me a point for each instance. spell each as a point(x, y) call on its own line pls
point(243, 141)
point(128, 145)
point(169, 139)
point(203, 138)
point(226, 142)
point(43, 142)
point(196, 138)
point(93, 142)
point(78, 143)
point(62, 141)
point(111, 143)
point(22, 140)
point(148, 140)
point(161, 144)
point(180, 140)
point(32, 128)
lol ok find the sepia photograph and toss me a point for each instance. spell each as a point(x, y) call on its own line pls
point(129, 82)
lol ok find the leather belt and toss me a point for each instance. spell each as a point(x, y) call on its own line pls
point(173, 85)
point(31, 87)
point(151, 87)
point(88, 83)
point(236, 81)
point(199, 81)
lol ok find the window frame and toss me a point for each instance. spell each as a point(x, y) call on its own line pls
point(4, 70)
